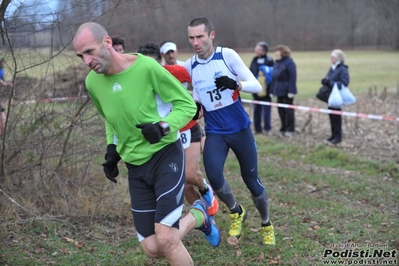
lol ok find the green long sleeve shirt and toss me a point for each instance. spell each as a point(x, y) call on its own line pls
point(143, 93)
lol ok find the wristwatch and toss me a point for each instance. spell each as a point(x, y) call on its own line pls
point(165, 128)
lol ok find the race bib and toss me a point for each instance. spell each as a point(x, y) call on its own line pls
point(214, 99)
point(185, 138)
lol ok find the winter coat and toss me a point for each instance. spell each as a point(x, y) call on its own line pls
point(284, 77)
point(258, 64)
point(340, 76)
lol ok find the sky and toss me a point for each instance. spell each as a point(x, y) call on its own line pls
point(41, 8)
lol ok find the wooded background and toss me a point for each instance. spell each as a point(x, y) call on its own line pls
point(300, 24)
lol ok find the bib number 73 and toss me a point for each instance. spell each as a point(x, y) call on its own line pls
point(214, 95)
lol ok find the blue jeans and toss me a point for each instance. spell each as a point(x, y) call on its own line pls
point(262, 111)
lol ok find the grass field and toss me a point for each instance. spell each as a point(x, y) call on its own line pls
point(322, 199)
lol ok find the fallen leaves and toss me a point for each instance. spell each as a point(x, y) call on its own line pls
point(78, 244)
point(39, 250)
point(70, 240)
point(232, 240)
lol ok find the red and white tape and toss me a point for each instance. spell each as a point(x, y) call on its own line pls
point(326, 111)
point(298, 107)
point(51, 100)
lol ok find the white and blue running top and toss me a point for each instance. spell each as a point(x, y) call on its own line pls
point(223, 110)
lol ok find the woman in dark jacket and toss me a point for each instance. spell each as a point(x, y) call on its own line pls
point(284, 87)
point(338, 73)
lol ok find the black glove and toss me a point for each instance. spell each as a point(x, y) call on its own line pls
point(325, 82)
point(151, 132)
point(255, 96)
point(195, 117)
point(224, 83)
point(110, 167)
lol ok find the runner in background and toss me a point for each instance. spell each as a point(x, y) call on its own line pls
point(169, 53)
point(118, 43)
point(190, 136)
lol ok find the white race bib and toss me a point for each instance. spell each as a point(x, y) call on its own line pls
point(214, 99)
point(185, 138)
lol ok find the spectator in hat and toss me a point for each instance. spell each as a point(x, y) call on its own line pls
point(169, 53)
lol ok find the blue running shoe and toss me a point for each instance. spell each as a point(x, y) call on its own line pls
point(211, 202)
point(208, 227)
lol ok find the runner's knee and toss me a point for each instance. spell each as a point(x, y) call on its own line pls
point(167, 238)
point(151, 247)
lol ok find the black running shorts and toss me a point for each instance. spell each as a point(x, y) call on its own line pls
point(157, 190)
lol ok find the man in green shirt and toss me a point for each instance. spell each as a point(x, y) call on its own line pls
point(135, 96)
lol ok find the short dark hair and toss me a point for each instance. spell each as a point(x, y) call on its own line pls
point(202, 21)
point(117, 40)
point(264, 45)
point(150, 49)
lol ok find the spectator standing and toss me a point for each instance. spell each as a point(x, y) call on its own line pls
point(284, 87)
point(339, 74)
point(262, 68)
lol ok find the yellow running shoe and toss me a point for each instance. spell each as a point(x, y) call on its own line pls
point(268, 235)
point(236, 223)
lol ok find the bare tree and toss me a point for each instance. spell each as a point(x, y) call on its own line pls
point(48, 147)
point(3, 8)
point(388, 20)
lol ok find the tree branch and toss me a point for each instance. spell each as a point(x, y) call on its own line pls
point(3, 7)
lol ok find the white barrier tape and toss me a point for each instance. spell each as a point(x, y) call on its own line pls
point(326, 111)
